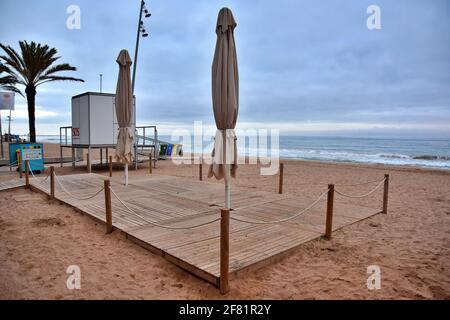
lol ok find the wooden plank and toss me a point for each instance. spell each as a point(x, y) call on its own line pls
point(177, 202)
point(195, 271)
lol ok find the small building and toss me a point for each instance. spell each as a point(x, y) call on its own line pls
point(94, 126)
point(94, 120)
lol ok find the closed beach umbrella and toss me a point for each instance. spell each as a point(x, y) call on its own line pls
point(124, 112)
point(225, 99)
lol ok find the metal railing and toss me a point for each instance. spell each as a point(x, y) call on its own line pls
point(63, 138)
point(142, 140)
point(147, 141)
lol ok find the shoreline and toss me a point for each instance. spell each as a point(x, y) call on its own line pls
point(380, 166)
point(406, 168)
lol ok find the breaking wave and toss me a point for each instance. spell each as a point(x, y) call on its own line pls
point(431, 161)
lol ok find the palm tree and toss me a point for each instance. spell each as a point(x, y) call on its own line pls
point(33, 67)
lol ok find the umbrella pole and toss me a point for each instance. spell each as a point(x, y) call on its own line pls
point(227, 187)
point(226, 168)
point(227, 196)
point(126, 174)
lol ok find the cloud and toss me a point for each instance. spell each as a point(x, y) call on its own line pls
point(21, 112)
point(314, 128)
point(300, 62)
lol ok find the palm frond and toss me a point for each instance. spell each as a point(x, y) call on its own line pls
point(3, 68)
point(12, 89)
point(14, 61)
point(8, 81)
point(59, 68)
point(34, 65)
point(46, 79)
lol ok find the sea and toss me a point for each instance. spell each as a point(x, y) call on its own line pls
point(425, 153)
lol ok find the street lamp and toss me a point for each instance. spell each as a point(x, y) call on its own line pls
point(140, 32)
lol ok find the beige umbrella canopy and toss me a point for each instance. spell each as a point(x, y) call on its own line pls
point(225, 98)
point(124, 112)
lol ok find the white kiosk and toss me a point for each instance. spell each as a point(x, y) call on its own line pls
point(94, 121)
point(94, 126)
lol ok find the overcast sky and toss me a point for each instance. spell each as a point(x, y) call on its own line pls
point(306, 67)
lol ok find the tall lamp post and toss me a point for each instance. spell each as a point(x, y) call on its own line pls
point(140, 31)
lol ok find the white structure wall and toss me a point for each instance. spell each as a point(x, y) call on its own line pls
point(94, 120)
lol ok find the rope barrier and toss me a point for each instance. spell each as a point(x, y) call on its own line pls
point(358, 184)
point(217, 219)
point(34, 177)
point(74, 196)
point(286, 219)
point(319, 184)
point(361, 196)
point(340, 184)
point(157, 224)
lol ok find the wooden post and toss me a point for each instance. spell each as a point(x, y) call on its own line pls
point(61, 157)
point(19, 163)
point(52, 183)
point(224, 250)
point(88, 162)
point(329, 221)
point(108, 206)
point(110, 166)
point(280, 182)
point(200, 170)
point(73, 157)
point(150, 163)
point(27, 177)
point(385, 193)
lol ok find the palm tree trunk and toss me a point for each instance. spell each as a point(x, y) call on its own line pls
point(31, 99)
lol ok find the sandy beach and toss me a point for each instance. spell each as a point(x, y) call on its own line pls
point(411, 244)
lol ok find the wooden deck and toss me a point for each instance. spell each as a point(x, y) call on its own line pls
point(174, 201)
point(11, 184)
